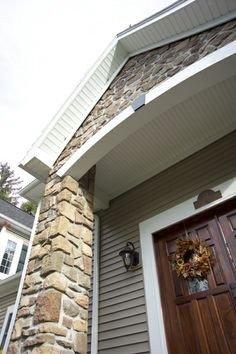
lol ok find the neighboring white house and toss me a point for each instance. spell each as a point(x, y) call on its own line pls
point(15, 230)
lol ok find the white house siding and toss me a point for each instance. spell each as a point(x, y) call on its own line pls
point(5, 301)
point(122, 316)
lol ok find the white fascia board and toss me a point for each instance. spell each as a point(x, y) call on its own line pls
point(17, 225)
point(203, 27)
point(194, 78)
point(33, 191)
point(178, 5)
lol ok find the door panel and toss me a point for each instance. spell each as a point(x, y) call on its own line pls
point(200, 316)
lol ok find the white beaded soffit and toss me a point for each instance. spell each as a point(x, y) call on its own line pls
point(180, 20)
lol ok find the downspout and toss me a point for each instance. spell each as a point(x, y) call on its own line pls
point(95, 301)
point(22, 276)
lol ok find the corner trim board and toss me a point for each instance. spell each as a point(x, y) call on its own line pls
point(23, 276)
point(95, 302)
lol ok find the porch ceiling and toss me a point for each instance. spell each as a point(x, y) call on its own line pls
point(168, 138)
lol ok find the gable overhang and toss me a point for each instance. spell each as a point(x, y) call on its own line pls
point(15, 225)
point(213, 69)
point(180, 20)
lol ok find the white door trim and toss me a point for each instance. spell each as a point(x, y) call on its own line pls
point(147, 228)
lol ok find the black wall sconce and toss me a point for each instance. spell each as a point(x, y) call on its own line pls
point(130, 256)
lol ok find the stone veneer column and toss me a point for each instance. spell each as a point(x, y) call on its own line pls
point(53, 313)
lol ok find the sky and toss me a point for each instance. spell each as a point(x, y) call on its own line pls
point(46, 47)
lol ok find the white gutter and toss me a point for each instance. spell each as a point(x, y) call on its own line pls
point(94, 336)
point(22, 278)
point(16, 223)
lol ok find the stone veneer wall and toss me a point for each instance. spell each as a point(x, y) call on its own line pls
point(144, 71)
point(53, 313)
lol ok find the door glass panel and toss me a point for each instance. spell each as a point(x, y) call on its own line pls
point(196, 285)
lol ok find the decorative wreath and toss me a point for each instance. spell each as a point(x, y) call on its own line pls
point(192, 259)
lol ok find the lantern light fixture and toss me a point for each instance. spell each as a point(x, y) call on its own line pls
point(129, 256)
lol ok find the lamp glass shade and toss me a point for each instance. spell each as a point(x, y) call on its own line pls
point(129, 256)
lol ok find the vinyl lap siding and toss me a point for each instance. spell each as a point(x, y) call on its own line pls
point(6, 301)
point(122, 315)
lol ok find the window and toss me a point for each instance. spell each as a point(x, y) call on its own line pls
point(8, 257)
point(4, 336)
point(10, 252)
point(22, 258)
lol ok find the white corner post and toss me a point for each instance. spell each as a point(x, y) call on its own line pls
point(94, 336)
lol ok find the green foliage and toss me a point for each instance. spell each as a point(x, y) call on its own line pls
point(29, 207)
point(9, 184)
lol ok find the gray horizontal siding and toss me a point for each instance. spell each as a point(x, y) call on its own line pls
point(6, 301)
point(122, 313)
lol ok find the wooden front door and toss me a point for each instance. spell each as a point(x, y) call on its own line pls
point(200, 321)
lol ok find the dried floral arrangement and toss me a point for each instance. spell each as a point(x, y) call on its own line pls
point(192, 258)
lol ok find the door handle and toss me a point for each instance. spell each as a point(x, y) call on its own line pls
point(232, 287)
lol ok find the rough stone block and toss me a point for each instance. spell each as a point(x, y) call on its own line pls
point(52, 328)
point(13, 348)
point(60, 226)
point(65, 194)
point(57, 281)
point(17, 329)
point(69, 260)
point(41, 237)
point(70, 308)
point(46, 349)
point(70, 272)
point(67, 322)
point(32, 279)
point(82, 300)
point(75, 230)
point(39, 339)
point(87, 235)
point(81, 220)
point(35, 251)
point(60, 243)
point(79, 263)
point(80, 343)
point(86, 250)
point(52, 263)
point(65, 344)
point(67, 210)
point(80, 325)
point(87, 261)
point(48, 305)
point(83, 280)
point(76, 251)
point(69, 183)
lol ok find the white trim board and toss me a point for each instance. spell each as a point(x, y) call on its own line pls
point(147, 228)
